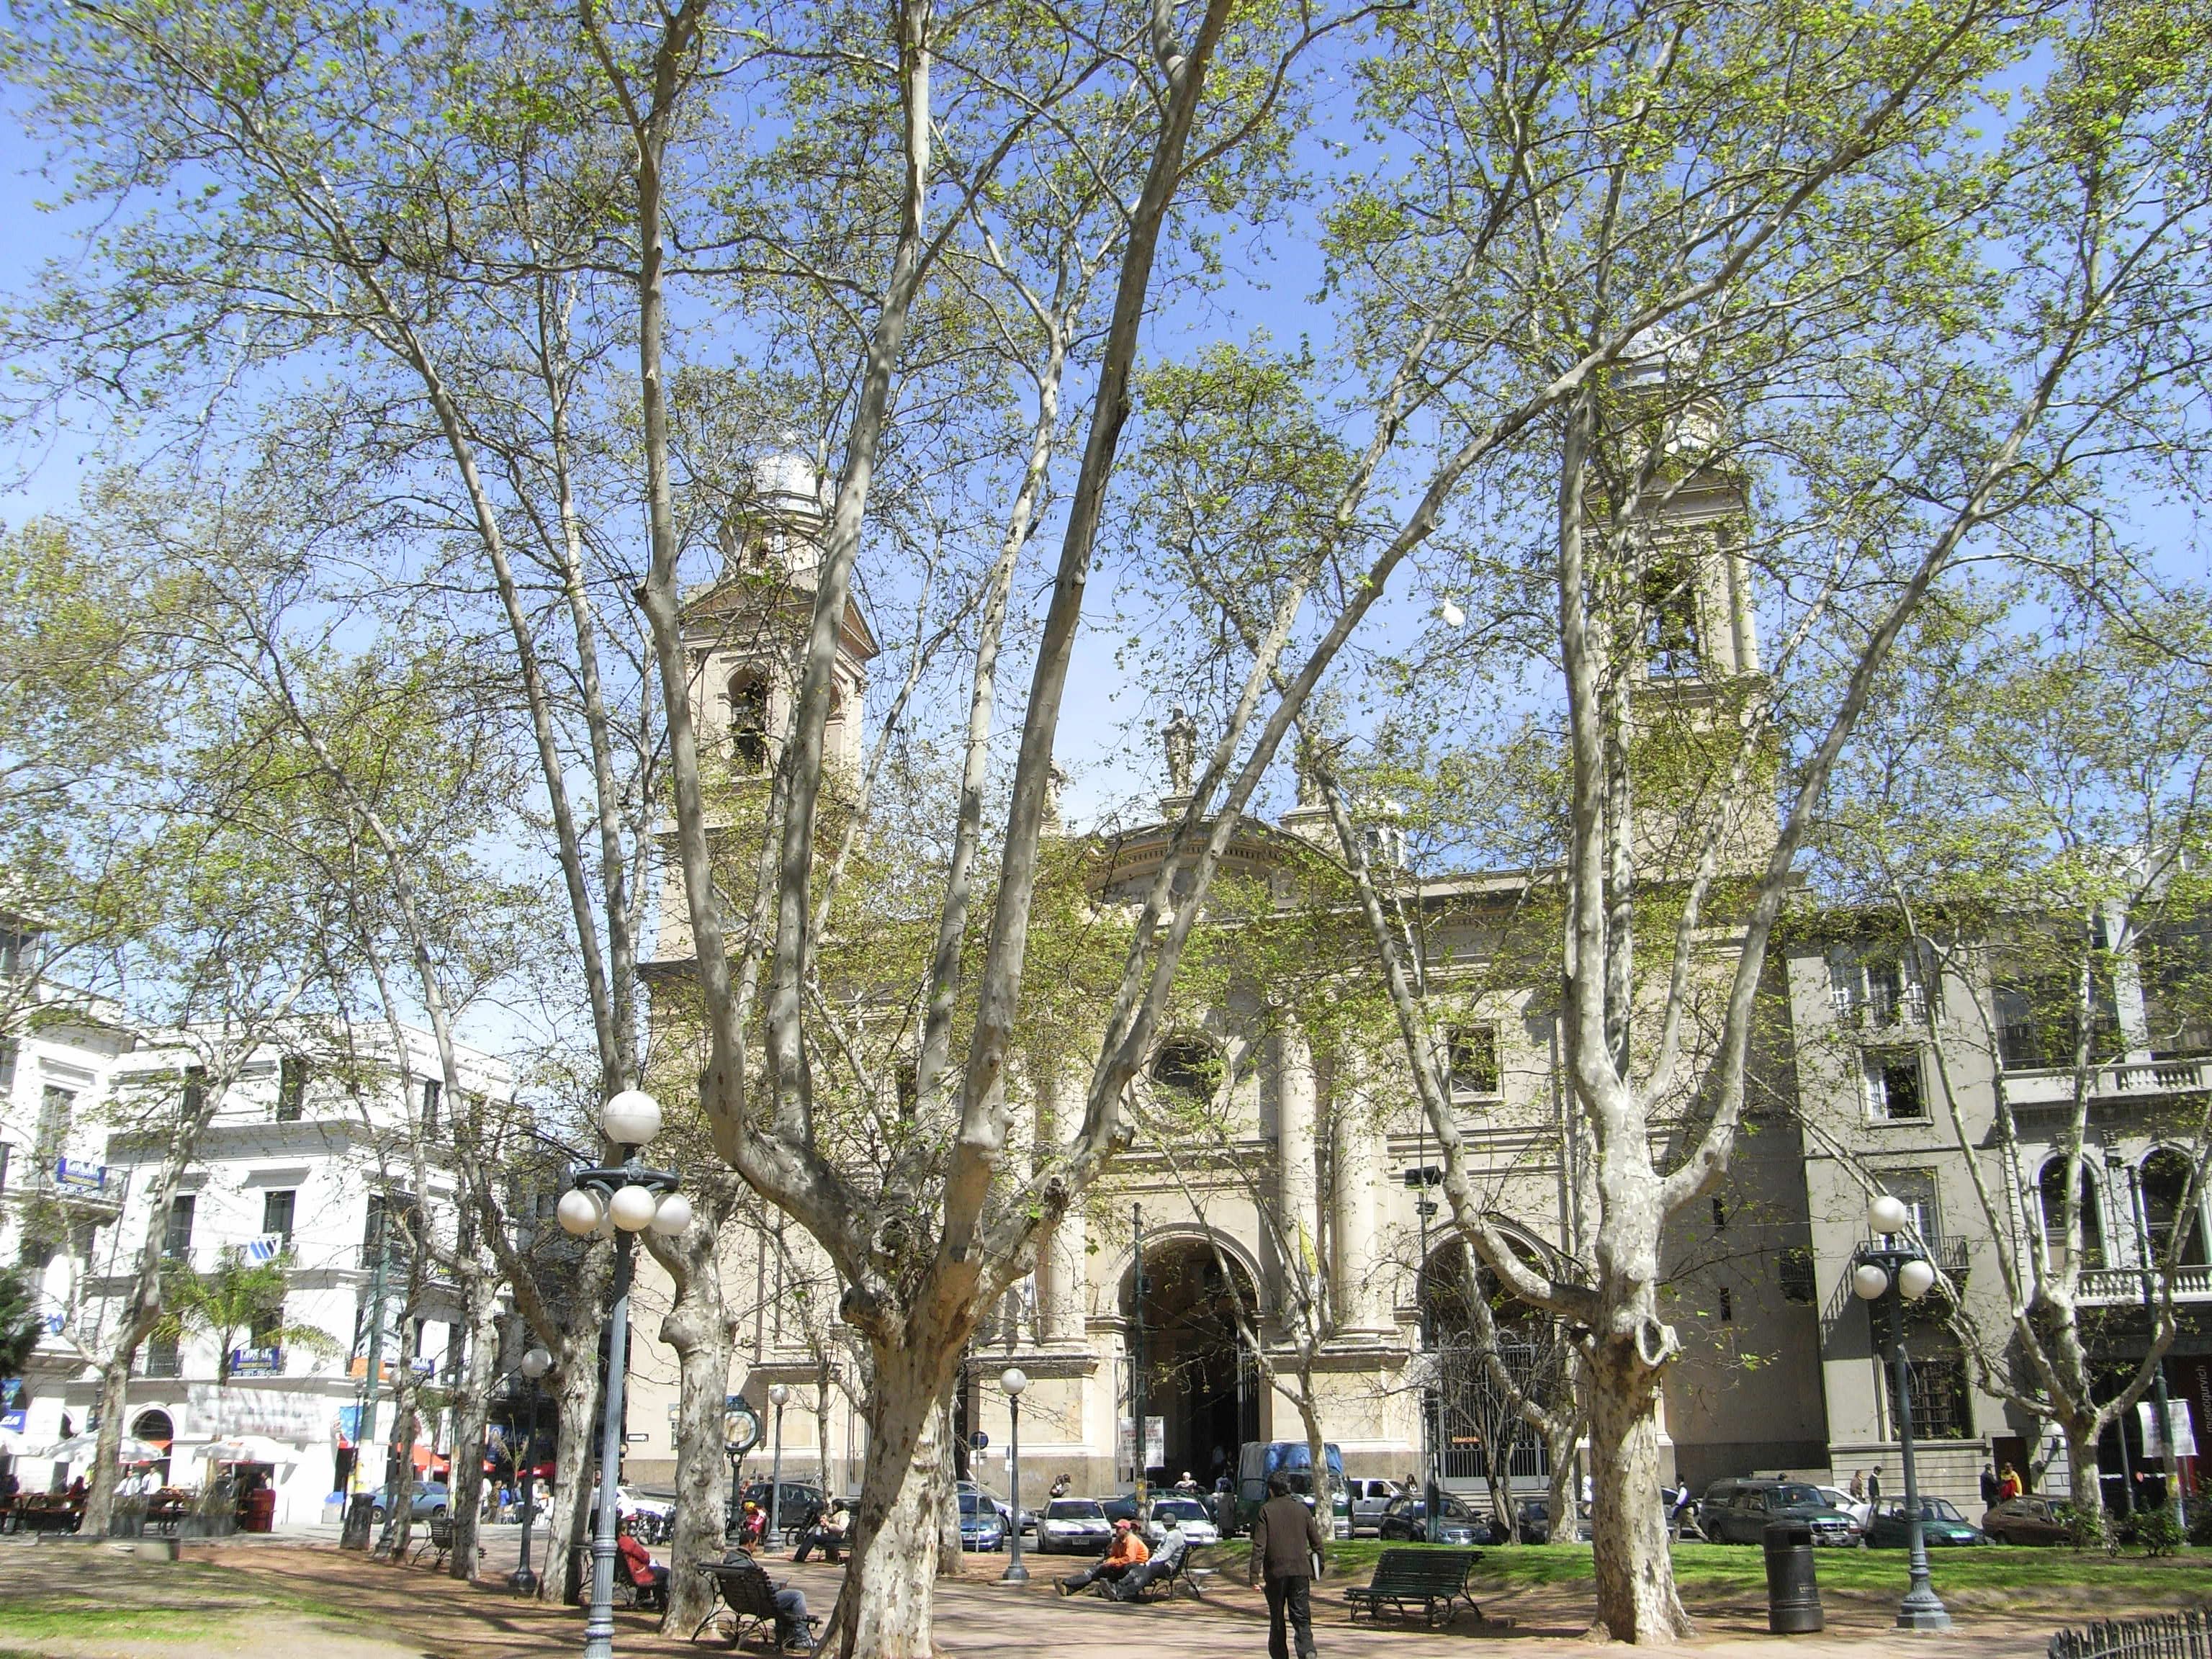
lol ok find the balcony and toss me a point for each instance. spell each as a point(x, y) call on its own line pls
point(2122, 1080)
point(2114, 1287)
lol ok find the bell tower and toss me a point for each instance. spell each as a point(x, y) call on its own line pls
point(1691, 655)
point(744, 636)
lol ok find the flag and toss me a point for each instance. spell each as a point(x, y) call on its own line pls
point(266, 1248)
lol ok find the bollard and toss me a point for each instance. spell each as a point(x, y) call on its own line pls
point(1793, 1595)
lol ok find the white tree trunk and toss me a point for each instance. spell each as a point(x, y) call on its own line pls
point(890, 1588)
point(1635, 1598)
point(578, 1400)
point(472, 1417)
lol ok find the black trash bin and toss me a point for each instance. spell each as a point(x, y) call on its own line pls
point(1793, 1594)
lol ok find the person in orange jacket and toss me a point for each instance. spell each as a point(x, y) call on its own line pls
point(1128, 1551)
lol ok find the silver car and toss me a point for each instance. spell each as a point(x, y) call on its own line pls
point(1190, 1517)
point(1370, 1498)
point(1074, 1525)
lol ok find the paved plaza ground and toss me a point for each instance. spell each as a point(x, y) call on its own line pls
point(300, 1597)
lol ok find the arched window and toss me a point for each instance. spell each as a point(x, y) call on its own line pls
point(1187, 1065)
point(2164, 1188)
point(749, 720)
point(2053, 1185)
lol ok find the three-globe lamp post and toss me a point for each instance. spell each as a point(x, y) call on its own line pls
point(1013, 1380)
point(618, 1200)
point(1892, 1261)
point(535, 1364)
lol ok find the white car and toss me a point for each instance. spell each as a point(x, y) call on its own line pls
point(1074, 1525)
point(1857, 1508)
point(1191, 1519)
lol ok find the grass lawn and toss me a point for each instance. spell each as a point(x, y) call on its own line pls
point(1719, 1572)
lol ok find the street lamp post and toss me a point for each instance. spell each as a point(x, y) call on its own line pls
point(535, 1364)
point(778, 1394)
point(1896, 1262)
point(1013, 1380)
point(623, 1199)
point(2140, 1216)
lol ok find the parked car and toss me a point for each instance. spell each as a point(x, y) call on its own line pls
point(1192, 1518)
point(795, 1501)
point(1406, 1519)
point(430, 1499)
point(1005, 1509)
point(2026, 1520)
point(1890, 1528)
point(981, 1525)
point(1369, 1499)
point(1531, 1522)
point(1737, 1511)
point(1837, 1498)
point(1074, 1525)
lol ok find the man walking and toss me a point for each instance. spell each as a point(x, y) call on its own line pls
point(1286, 1540)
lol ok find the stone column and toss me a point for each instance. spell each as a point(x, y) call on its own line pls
point(1063, 1265)
point(1297, 1186)
point(1356, 1129)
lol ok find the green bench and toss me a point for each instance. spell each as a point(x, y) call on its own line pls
point(1431, 1579)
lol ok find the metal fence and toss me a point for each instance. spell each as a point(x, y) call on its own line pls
point(2167, 1636)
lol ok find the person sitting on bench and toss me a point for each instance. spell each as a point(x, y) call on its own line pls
point(1129, 1551)
point(830, 1534)
point(791, 1632)
point(1162, 1565)
point(649, 1578)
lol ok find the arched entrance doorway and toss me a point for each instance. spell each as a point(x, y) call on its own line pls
point(1472, 1419)
point(156, 1428)
point(1198, 1380)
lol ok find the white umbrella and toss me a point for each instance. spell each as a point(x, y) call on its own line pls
point(129, 1450)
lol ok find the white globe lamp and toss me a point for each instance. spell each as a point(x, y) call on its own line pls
point(579, 1212)
point(1013, 1380)
point(1869, 1282)
point(673, 1216)
point(1915, 1280)
point(1887, 1215)
point(630, 1119)
point(633, 1208)
point(535, 1364)
point(779, 1393)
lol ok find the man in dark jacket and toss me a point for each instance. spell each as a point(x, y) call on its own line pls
point(1285, 1537)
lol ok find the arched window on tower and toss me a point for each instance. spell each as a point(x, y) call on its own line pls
point(2053, 1185)
point(1670, 619)
point(749, 720)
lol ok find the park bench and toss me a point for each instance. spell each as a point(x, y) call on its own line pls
point(748, 1595)
point(439, 1543)
point(1430, 1578)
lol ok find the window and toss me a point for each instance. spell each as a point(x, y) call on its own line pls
point(1670, 620)
point(2039, 1023)
point(1942, 1408)
point(177, 1236)
point(432, 1089)
point(1794, 1275)
point(749, 722)
point(292, 1089)
point(1473, 1050)
point(56, 1108)
point(276, 1210)
point(2164, 1188)
point(2053, 1185)
point(195, 1090)
point(161, 1357)
point(13, 946)
point(1875, 988)
point(1916, 1190)
point(1894, 1085)
point(1188, 1066)
point(1720, 1213)
point(7, 1063)
point(1728, 1306)
point(264, 1323)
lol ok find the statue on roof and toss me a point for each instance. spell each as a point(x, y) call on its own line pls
point(1180, 736)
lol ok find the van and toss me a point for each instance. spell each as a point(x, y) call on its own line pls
point(1258, 1460)
point(1369, 1499)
